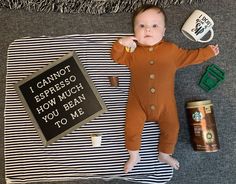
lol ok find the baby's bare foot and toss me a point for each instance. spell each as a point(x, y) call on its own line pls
point(163, 157)
point(133, 161)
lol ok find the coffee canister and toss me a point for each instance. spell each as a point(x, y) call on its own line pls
point(203, 131)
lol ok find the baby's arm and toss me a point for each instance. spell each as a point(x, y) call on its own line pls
point(119, 52)
point(215, 48)
point(187, 57)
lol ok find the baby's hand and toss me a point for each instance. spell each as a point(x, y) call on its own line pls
point(215, 48)
point(127, 41)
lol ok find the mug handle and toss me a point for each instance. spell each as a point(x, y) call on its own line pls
point(212, 35)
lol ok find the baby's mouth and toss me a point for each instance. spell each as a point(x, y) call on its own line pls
point(147, 36)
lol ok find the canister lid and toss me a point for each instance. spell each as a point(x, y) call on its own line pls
point(196, 104)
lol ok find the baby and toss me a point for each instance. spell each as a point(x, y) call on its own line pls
point(153, 63)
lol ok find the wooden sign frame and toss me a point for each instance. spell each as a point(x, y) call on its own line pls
point(60, 98)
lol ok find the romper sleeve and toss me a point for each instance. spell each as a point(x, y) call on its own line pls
point(120, 55)
point(185, 57)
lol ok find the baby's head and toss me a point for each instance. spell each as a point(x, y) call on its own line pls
point(149, 24)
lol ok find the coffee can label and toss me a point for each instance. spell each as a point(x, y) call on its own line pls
point(203, 131)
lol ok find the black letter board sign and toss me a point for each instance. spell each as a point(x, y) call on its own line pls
point(60, 98)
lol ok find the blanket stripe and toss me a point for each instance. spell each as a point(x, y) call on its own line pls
point(73, 157)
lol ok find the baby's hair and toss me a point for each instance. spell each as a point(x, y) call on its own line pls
point(145, 7)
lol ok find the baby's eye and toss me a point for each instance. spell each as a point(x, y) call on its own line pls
point(142, 25)
point(155, 25)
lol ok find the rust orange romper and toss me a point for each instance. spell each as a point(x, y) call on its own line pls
point(151, 94)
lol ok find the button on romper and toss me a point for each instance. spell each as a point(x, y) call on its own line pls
point(151, 95)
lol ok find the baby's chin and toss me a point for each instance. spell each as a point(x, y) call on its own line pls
point(148, 42)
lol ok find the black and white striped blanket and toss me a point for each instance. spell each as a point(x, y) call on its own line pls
point(73, 157)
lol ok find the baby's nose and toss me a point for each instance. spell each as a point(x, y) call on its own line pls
point(148, 28)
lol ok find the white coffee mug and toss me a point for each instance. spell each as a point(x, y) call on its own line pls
point(197, 26)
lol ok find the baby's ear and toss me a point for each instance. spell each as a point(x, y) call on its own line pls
point(164, 31)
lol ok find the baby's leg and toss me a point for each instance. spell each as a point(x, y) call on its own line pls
point(169, 129)
point(134, 158)
point(135, 118)
point(166, 158)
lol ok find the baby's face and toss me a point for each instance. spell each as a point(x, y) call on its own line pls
point(149, 27)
